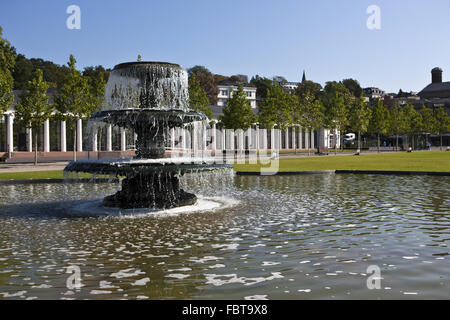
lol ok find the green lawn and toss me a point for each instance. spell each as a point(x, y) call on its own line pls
point(416, 161)
point(58, 174)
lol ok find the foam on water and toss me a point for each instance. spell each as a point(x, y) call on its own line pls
point(94, 208)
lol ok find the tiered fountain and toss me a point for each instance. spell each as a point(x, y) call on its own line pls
point(149, 98)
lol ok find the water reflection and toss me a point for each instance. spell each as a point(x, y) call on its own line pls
point(292, 237)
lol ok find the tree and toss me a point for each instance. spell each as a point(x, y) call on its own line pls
point(308, 88)
point(443, 122)
point(207, 82)
point(25, 68)
point(78, 97)
point(310, 110)
point(397, 123)
point(34, 107)
point(262, 86)
point(7, 62)
point(353, 87)
point(277, 108)
point(379, 121)
point(94, 72)
point(238, 113)
point(359, 117)
point(336, 99)
point(197, 97)
point(429, 122)
point(413, 122)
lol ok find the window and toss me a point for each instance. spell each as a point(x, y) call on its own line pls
point(249, 94)
point(224, 92)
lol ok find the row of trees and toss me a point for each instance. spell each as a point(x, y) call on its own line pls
point(77, 97)
point(78, 94)
point(339, 106)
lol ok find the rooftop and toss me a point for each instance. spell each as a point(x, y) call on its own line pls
point(435, 88)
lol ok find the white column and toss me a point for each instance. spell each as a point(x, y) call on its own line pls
point(123, 140)
point(224, 139)
point(300, 138)
point(249, 135)
point(232, 146)
point(312, 139)
point(63, 140)
point(9, 133)
point(109, 137)
point(265, 145)
point(29, 132)
point(279, 139)
point(95, 141)
point(47, 135)
point(257, 138)
point(241, 139)
point(79, 135)
point(214, 137)
point(294, 141)
point(307, 140)
point(204, 137)
point(272, 139)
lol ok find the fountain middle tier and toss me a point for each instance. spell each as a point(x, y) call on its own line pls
point(149, 125)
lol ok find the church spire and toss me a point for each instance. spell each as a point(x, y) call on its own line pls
point(304, 76)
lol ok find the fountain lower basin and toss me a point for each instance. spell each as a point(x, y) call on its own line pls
point(150, 183)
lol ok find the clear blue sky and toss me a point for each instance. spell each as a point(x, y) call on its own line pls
point(329, 39)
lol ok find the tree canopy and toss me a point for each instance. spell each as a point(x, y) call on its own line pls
point(198, 99)
point(353, 87)
point(7, 62)
point(277, 108)
point(262, 86)
point(207, 82)
point(238, 113)
point(336, 99)
point(359, 117)
point(34, 107)
point(379, 121)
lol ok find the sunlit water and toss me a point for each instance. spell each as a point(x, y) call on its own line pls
point(297, 237)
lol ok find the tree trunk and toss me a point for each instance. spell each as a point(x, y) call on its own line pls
point(412, 142)
point(309, 142)
point(396, 143)
point(318, 141)
point(441, 140)
point(75, 144)
point(35, 147)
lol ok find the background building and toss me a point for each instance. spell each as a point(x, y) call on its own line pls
point(436, 94)
point(226, 89)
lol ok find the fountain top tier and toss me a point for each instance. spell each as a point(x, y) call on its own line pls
point(147, 85)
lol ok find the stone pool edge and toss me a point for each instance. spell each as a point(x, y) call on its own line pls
point(244, 173)
point(37, 181)
point(380, 172)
